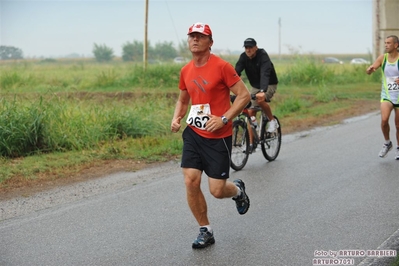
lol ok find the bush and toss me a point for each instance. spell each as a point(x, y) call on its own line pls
point(21, 129)
point(58, 124)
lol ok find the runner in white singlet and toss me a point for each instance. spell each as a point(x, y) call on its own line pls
point(389, 63)
point(390, 73)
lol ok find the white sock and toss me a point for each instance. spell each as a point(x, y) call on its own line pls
point(238, 192)
point(208, 227)
point(387, 142)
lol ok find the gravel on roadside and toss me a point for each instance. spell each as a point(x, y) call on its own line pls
point(24, 205)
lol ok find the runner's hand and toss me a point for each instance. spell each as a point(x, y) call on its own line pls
point(261, 96)
point(214, 123)
point(175, 126)
point(370, 70)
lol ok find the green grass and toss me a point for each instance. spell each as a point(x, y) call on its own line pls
point(58, 116)
point(24, 77)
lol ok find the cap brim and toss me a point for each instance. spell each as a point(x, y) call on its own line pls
point(198, 32)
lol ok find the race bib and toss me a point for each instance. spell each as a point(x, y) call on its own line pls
point(391, 84)
point(198, 115)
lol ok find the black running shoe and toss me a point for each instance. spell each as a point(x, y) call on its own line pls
point(242, 201)
point(204, 239)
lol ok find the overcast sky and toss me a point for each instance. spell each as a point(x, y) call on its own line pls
point(54, 28)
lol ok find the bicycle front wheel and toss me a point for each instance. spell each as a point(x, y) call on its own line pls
point(270, 141)
point(240, 147)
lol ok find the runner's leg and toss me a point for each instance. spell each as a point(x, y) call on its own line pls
point(386, 109)
point(195, 197)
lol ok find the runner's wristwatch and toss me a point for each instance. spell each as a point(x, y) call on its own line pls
point(225, 120)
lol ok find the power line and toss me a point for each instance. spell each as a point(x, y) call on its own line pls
point(173, 23)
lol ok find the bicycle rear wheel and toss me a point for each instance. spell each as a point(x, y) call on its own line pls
point(270, 141)
point(240, 147)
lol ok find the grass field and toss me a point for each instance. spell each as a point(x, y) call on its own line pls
point(58, 118)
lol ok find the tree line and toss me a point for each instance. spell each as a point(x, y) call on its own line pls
point(131, 51)
point(10, 52)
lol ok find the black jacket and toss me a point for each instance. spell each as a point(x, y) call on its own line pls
point(259, 70)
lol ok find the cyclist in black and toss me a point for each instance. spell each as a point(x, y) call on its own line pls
point(262, 77)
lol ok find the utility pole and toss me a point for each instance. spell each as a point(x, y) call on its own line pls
point(145, 44)
point(376, 29)
point(279, 38)
point(385, 23)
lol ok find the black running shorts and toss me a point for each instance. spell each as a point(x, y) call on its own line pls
point(209, 155)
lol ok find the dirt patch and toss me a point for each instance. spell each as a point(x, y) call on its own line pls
point(22, 187)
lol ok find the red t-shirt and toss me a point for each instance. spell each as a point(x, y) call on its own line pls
point(210, 84)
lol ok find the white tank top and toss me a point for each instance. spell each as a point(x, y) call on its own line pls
point(390, 72)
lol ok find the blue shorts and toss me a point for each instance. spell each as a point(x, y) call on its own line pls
point(209, 155)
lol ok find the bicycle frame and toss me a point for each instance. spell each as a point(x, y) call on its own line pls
point(255, 131)
point(243, 127)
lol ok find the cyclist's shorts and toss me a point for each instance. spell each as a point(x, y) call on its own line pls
point(209, 155)
point(271, 90)
point(394, 105)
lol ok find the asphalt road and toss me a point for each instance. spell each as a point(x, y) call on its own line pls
point(327, 191)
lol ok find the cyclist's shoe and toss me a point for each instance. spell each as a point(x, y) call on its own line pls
point(204, 239)
point(273, 125)
point(385, 149)
point(397, 154)
point(251, 149)
point(242, 201)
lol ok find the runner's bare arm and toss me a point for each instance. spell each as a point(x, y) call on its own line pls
point(377, 63)
point(242, 99)
point(180, 110)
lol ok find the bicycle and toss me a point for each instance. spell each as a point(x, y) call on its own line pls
point(270, 142)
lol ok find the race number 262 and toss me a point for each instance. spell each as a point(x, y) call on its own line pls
point(198, 121)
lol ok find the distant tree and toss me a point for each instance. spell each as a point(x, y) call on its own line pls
point(10, 52)
point(132, 51)
point(102, 53)
point(73, 55)
point(164, 51)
